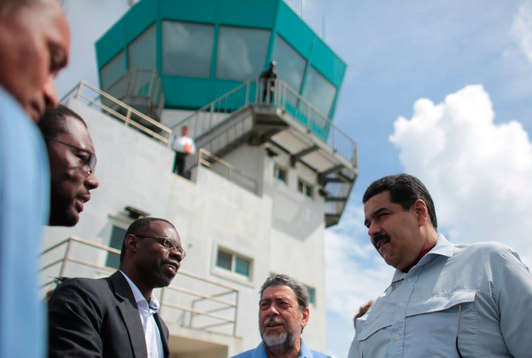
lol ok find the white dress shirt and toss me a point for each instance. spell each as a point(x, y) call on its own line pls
point(152, 335)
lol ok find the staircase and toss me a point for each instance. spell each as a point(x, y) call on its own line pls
point(252, 113)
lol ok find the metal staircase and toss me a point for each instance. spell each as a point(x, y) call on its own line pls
point(261, 111)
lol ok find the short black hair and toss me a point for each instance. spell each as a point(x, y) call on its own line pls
point(404, 190)
point(53, 121)
point(139, 227)
point(284, 280)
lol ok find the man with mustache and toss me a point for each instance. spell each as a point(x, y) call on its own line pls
point(283, 313)
point(116, 317)
point(445, 300)
point(34, 47)
point(72, 161)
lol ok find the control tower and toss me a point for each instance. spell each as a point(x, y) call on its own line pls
point(271, 173)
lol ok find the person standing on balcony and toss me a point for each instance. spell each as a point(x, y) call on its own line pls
point(267, 81)
point(116, 317)
point(72, 161)
point(183, 146)
point(34, 47)
point(283, 313)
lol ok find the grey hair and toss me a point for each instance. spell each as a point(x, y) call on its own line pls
point(284, 280)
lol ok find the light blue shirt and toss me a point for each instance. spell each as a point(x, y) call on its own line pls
point(24, 201)
point(259, 352)
point(480, 293)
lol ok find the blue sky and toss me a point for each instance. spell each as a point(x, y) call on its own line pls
point(440, 89)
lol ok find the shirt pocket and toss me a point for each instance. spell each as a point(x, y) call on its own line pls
point(371, 333)
point(435, 323)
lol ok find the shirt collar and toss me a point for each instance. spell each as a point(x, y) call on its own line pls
point(304, 351)
point(442, 248)
point(139, 297)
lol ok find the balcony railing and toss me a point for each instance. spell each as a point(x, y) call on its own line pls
point(259, 92)
point(191, 300)
point(108, 104)
point(227, 170)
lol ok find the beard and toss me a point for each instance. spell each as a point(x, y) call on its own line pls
point(282, 342)
point(63, 212)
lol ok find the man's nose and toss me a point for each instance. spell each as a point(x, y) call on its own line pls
point(91, 182)
point(49, 93)
point(373, 229)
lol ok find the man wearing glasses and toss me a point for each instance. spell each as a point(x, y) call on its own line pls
point(116, 317)
point(72, 164)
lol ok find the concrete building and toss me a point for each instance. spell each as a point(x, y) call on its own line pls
point(272, 173)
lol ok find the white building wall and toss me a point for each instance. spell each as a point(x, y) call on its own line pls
point(280, 229)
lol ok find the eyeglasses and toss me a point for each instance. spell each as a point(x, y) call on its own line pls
point(86, 157)
point(165, 242)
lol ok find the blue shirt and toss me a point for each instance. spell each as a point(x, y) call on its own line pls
point(475, 297)
point(24, 201)
point(259, 352)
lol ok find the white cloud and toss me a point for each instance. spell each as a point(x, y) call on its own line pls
point(522, 28)
point(478, 172)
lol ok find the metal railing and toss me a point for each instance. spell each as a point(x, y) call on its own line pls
point(278, 94)
point(95, 97)
point(196, 302)
point(141, 87)
point(227, 170)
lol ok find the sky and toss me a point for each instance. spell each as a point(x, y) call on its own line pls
point(439, 89)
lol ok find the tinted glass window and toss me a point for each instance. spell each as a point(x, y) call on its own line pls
point(241, 53)
point(187, 49)
point(319, 91)
point(141, 52)
point(290, 65)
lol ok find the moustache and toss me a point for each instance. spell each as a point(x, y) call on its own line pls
point(378, 238)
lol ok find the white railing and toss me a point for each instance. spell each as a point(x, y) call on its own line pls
point(191, 300)
point(278, 94)
point(227, 170)
point(95, 97)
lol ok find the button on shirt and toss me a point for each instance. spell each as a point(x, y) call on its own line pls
point(474, 298)
point(260, 352)
point(152, 334)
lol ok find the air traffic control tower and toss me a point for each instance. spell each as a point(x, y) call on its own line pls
point(271, 173)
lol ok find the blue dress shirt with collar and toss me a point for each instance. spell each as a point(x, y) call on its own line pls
point(259, 352)
point(474, 299)
point(24, 202)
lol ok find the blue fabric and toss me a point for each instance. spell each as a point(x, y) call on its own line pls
point(24, 201)
point(259, 352)
point(480, 293)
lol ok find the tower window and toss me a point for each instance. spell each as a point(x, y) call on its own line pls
point(281, 173)
point(233, 262)
point(305, 188)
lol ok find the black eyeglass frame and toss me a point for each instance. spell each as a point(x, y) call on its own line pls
point(91, 163)
point(167, 244)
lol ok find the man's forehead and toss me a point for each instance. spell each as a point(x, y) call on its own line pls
point(162, 228)
point(377, 201)
point(278, 292)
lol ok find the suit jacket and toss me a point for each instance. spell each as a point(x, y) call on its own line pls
point(91, 318)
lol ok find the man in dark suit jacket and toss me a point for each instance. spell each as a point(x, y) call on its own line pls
point(116, 316)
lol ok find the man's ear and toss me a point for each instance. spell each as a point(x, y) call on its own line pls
point(306, 315)
point(421, 211)
point(131, 243)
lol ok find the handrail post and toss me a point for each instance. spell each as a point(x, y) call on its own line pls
point(67, 255)
point(236, 313)
point(128, 117)
point(78, 92)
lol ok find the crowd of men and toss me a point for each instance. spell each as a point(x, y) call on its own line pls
point(445, 300)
